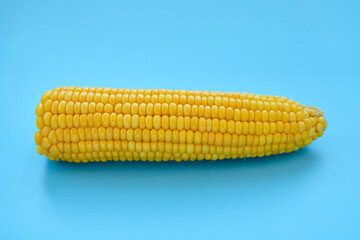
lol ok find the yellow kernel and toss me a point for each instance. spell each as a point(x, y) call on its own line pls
point(187, 110)
point(189, 136)
point(150, 109)
point(69, 108)
point(202, 124)
point(269, 139)
point(127, 121)
point(112, 99)
point(266, 128)
point(172, 122)
point(253, 105)
point(223, 126)
point(280, 126)
point(238, 127)
point(157, 109)
point(191, 99)
point(319, 127)
point(194, 123)
point(285, 117)
point(62, 120)
point(54, 122)
point(97, 119)
point(38, 137)
point(259, 128)
point(112, 119)
point(297, 137)
point(135, 121)
point(287, 107)
point(89, 97)
point(84, 107)
point(292, 117)
point(227, 139)
point(130, 135)
point(76, 120)
point(132, 98)
point(308, 123)
point(287, 127)
point(308, 141)
point(180, 123)
point(77, 107)
point(126, 108)
point(172, 109)
point(105, 120)
point(74, 135)
point(276, 138)
point(92, 107)
point(47, 105)
point(244, 114)
point(69, 121)
point(118, 108)
point(272, 116)
point(149, 122)
point(246, 104)
point(45, 143)
point(47, 118)
point(252, 127)
point(273, 127)
point(294, 127)
point(214, 111)
point(194, 110)
point(237, 115)
point(108, 108)
point(40, 110)
point(222, 112)
point(245, 127)
point(164, 109)
point(322, 120)
point(262, 140)
point(215, 125)
point(119, 121)
point(100, 107)
point(67, 96)
point(125, 98)
point(242, 141)
point(157, 122)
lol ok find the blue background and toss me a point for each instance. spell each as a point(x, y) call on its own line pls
point(306, 50)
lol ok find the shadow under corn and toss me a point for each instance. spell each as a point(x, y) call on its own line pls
point(130, 189)
point(61, 176)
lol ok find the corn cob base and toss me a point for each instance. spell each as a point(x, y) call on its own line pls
point(100, 124)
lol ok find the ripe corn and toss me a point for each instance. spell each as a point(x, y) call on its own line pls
point(100, 124)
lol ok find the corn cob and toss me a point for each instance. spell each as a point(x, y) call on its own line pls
point(100, 124)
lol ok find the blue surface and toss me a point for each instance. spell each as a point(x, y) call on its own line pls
point(305, 50)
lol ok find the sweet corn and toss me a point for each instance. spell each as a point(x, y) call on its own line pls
point(100, 124)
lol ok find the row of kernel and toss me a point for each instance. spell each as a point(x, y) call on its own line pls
point(164, 122)
point(153, 91)
point(157, 156)
point(176, 99)
point(129, 156)
point(175, 148)
point(113, 99)
point(70, 108)
point(187, 111)
point(191, 152)
point(235, 95)
point(93, 134)
point(169, 109)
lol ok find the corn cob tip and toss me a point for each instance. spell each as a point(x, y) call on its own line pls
point(317, 112)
